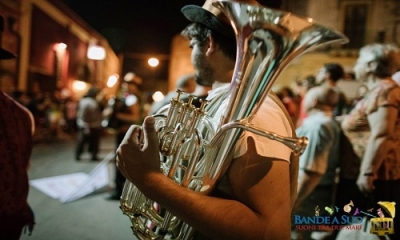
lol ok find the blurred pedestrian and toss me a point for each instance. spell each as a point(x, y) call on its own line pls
point(320, 160)
point(88, 120)
point(70, 111)
point(127, 113)
point(373, 126)
point(186, 83)
point(300, 89)
point(16, 143)
point(288, 99)
point(329, 75)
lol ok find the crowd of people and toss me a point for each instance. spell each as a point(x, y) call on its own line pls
point(54, 113)
point(353, 151)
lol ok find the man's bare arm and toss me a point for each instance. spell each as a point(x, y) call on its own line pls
point(382, 124)
point(307, 182)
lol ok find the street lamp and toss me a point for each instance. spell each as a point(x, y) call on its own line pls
point(157, 96)
point(79, 85)
point(60, 47)
point(153, 62)
point(96, 52)
point(112, 80)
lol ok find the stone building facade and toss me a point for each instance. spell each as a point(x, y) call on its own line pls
point(51, 43)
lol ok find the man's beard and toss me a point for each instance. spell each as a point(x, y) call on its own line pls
point(201, 81)
point(204, 73)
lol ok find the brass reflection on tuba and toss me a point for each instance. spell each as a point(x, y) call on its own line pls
point(194, 149)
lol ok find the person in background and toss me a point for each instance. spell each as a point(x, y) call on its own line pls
point(55, 113)
point(88, 120)
point(127, 113)
point(253, 199)
point(70, 111)
point(373, 126)
point(287, 96)
point(186, 83)
point(329, 75)
point(16, 142)
point(300, 89)
point(320, 160)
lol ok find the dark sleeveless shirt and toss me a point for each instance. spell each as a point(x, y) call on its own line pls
point(15, 152)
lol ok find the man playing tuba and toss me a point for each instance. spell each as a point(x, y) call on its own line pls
point(253, 199)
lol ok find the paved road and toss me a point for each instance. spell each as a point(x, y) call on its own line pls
point(90, 218)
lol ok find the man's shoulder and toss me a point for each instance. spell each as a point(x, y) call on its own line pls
point(9, 101)
point(11, 110)
point(272, 101)
point(272, 117)
point(272, 106)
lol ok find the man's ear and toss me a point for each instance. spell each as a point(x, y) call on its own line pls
point(212, 46)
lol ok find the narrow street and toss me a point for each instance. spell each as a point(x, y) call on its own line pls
point(89, 218)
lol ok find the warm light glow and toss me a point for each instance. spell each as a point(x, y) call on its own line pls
point(112, 80)
point(79, 85)
point(153, 62)
point(129, 76)
point(131, 100)
point(158, 96)
point(65, 92)
point(96, 52)
point(60, 47)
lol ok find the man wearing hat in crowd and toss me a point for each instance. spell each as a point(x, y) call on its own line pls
point(16, 143)
point(254, 198)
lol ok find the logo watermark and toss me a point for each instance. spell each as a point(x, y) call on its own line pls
point(350, 217)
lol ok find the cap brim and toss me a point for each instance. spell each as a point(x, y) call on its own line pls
point(6, 54)
point(199, 15)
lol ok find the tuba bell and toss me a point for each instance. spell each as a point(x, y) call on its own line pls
point(194, 149)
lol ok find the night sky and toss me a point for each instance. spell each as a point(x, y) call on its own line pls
point(139, 26)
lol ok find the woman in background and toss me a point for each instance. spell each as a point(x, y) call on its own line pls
point(373, 126)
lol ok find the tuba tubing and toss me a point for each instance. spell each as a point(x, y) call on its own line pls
point(194, 151)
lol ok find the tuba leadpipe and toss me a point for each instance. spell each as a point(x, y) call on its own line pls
point(194, 151)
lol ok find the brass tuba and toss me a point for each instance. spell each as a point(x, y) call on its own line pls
point(194, 149)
